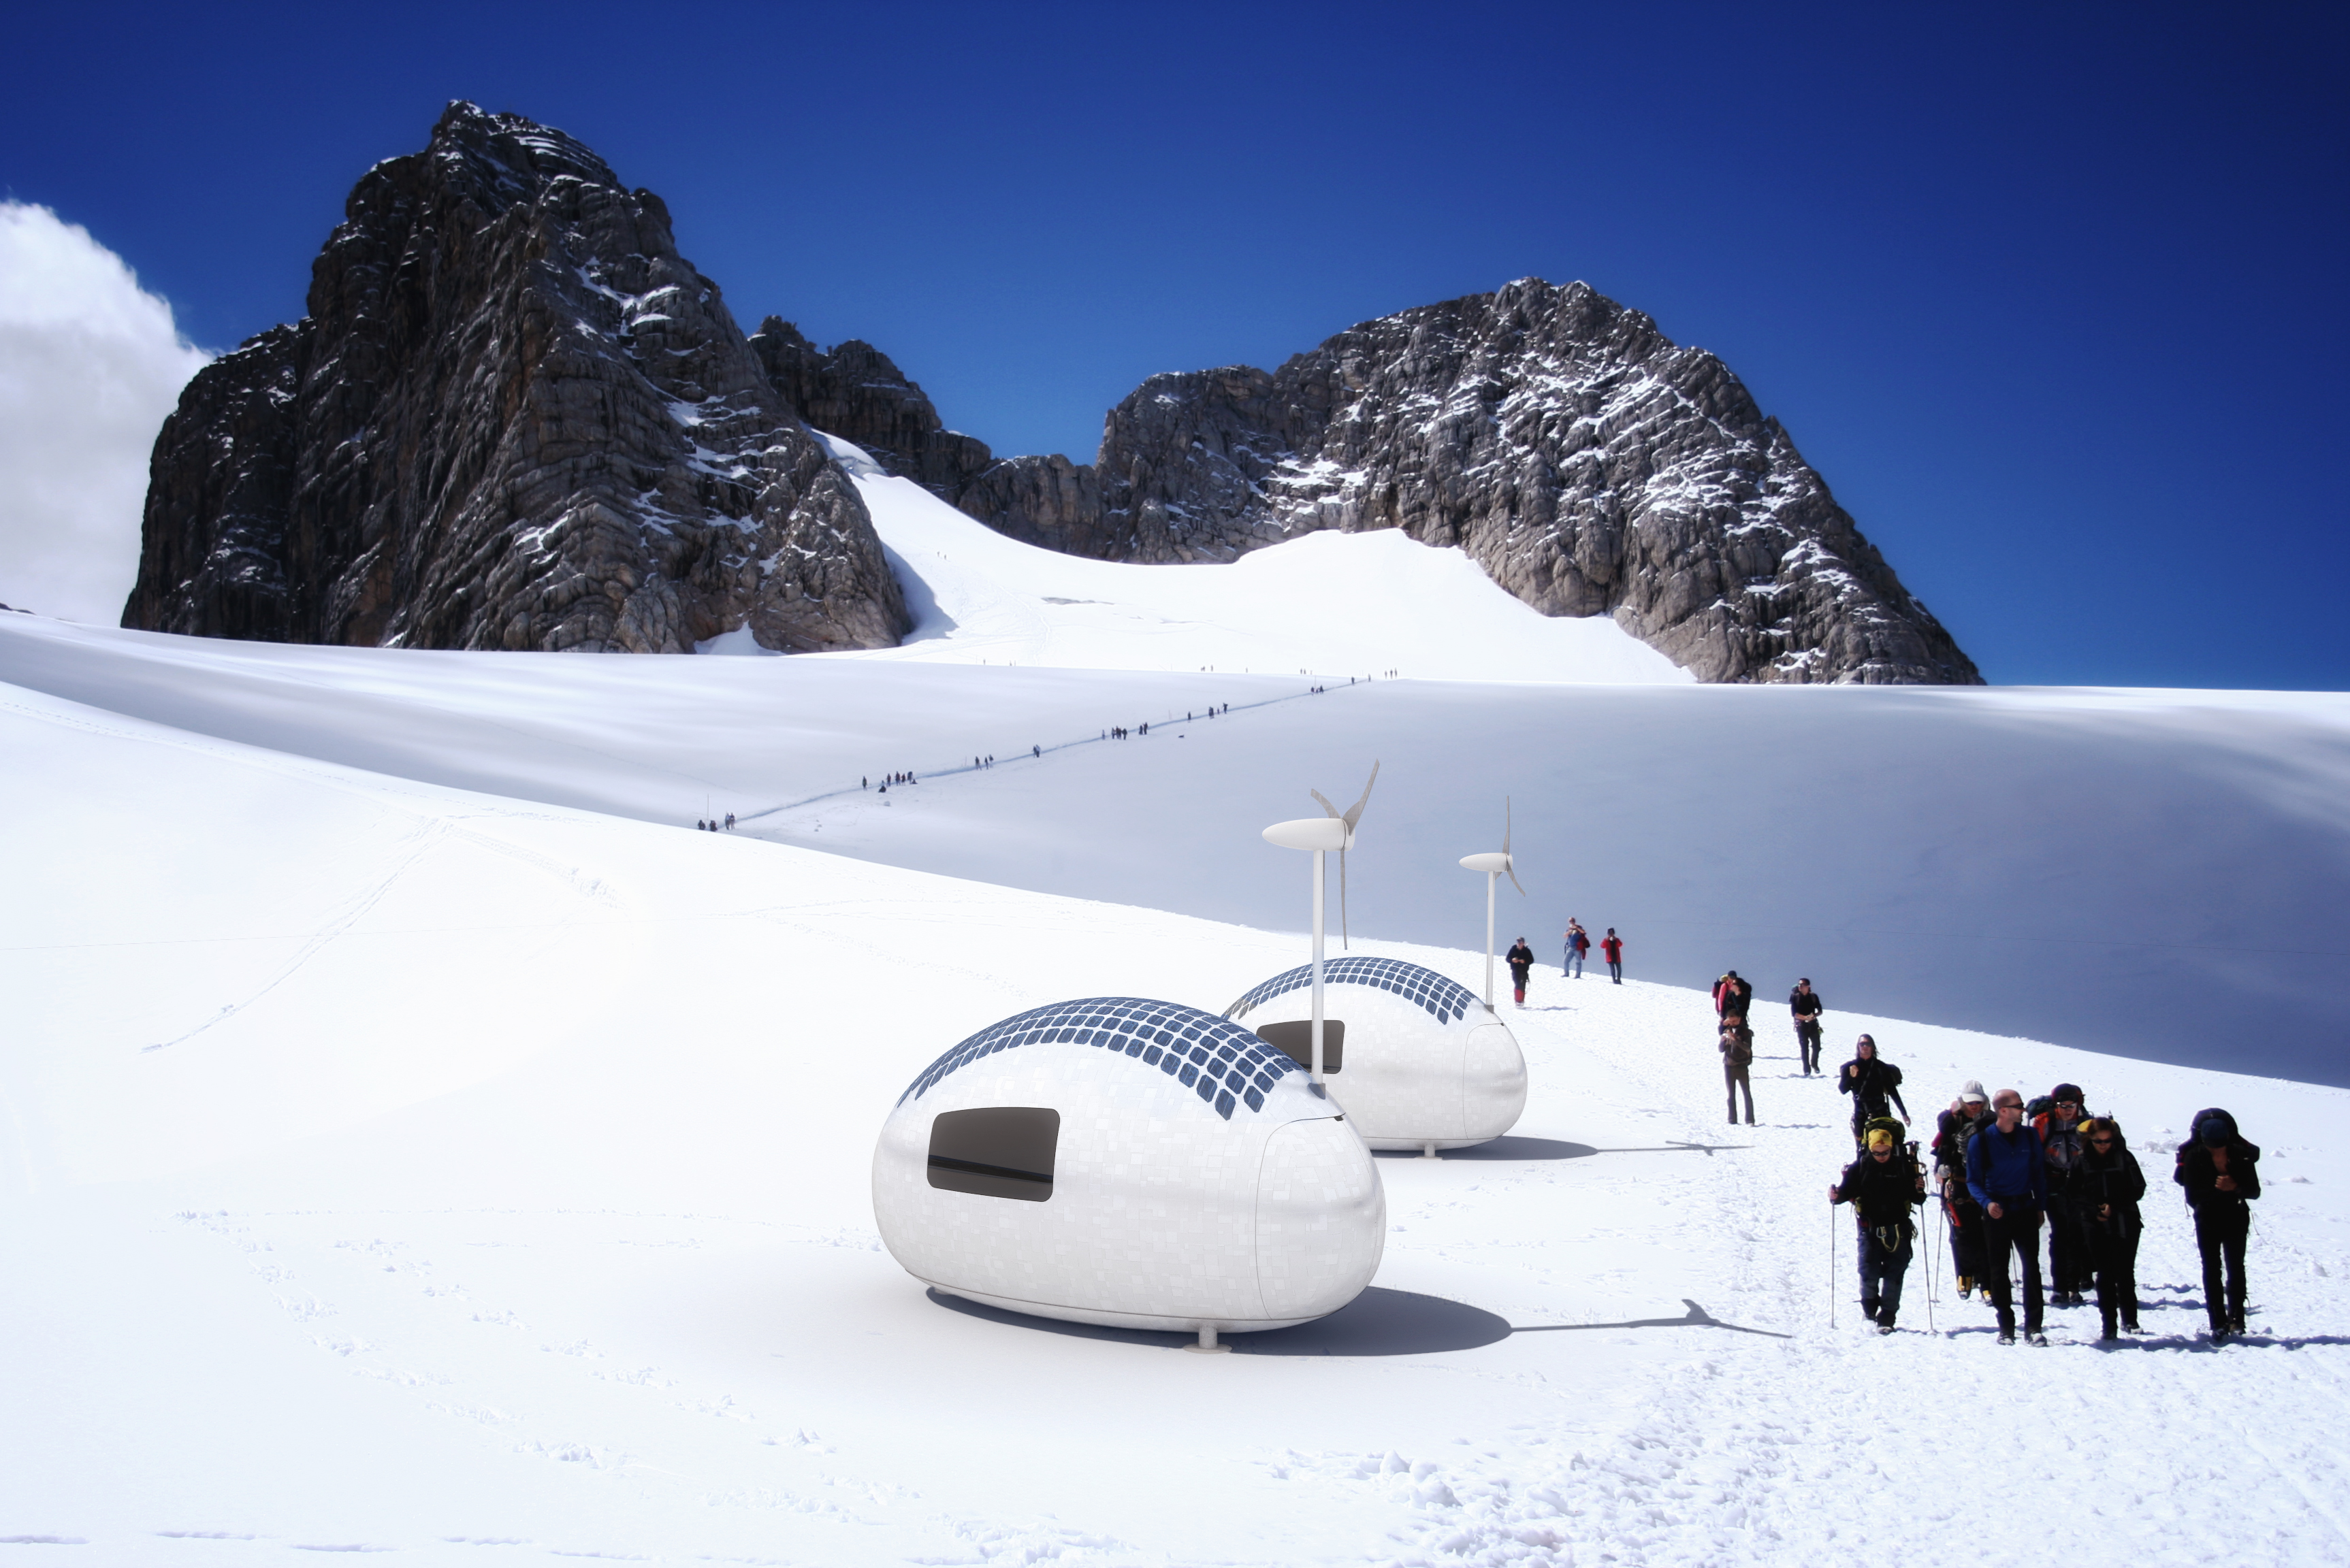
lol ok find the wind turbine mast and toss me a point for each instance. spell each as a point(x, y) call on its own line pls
point(1494, 864)
point(1321, 834)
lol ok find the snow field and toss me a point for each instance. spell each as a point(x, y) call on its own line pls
point(1320, 604)
point(556, 1241)
point(2139, 872)
point(411, 1143)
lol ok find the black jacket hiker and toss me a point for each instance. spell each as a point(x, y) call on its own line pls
point(2223, 1216)
point(1873, 1082)
point(2105, 1188)
point(1882, 1193)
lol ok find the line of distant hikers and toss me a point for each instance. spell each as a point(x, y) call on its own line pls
point(2004, 1170)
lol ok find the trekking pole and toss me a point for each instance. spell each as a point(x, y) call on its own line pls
point(1933, 1280)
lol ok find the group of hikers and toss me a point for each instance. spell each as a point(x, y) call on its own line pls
point(1578, 943)
point(713, 825)
point(2004, 1169)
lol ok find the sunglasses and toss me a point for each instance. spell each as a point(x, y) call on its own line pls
point(2101, 1139)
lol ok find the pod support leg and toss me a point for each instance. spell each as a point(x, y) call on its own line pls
point(1208, 1345)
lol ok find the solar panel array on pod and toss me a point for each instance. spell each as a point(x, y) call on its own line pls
point(1416, 1060)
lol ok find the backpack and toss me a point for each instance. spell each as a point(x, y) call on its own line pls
point(2227, 1124)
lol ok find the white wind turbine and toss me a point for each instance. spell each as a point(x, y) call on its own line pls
point(1494, 862)
point(1321, 834)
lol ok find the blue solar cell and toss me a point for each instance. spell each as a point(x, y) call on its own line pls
point(1422, 986)
point(1255, 1100)
point(1225, 1107)
point(1128, 1025)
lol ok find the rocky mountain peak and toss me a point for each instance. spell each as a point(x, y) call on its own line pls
point(514, 417)
point(1591, 464)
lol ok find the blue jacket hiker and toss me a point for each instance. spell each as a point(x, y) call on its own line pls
point(2008, 1174)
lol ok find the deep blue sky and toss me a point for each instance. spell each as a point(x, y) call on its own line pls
point(2052, 295)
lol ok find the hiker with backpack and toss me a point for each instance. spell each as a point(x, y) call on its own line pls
point(2106, 1187)
point(1804, 1002)
point(1611, 948)
point(1737, 1046)
point(2059, 1127)
point(2009, 1180)
point(2221, 1175)
point(1874, 1083)
point(1883, 1185)
point(1578, 943)
point(1521, 959)
point(1731, 996)
point(1968, 1114)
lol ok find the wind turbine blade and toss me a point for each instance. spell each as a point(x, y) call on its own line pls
point(1505, 830)
point(1355, 812)
point(1317, 795)
point(1520, 886)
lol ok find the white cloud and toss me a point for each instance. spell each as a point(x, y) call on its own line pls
point(90, 364)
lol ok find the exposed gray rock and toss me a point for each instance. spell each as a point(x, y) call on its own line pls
point(1591, 466)
point(855, 394)
point(514, 417)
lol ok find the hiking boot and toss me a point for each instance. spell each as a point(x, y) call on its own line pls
point(2007, 1337)
point(2038, 1338)
point(2132, 1328)
point(2219, 1333)
point(2106, 1328)
point(1965, 1286)
point(2235, 1322)
point(1885, 1328)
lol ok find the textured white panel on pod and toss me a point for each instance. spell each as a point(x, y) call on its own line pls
point(1191, 1179)
point(1424, 1061)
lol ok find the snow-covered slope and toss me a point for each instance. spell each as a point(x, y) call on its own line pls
point(2149, 873)
point(1324, 604)
point(388, 1169)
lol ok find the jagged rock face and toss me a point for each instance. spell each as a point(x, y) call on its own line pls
point(1591, 466)
point(513, 418)
point(854, 392)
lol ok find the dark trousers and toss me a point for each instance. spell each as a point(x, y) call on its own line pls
point(2016, 1233)
point(1884, 1259)
point(2069, 1268)
point(1807, 1043)
point(2113, 1259)
point(1966, 1239)
point(1518, 982)
point(1735, 1079)
point(2219, 1233)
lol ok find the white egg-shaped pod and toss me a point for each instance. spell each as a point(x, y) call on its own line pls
point(1128, 1162)
point(1422, 1060)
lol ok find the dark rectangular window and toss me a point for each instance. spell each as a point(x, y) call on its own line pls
point(996, 1151)
point(1295, 1041)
